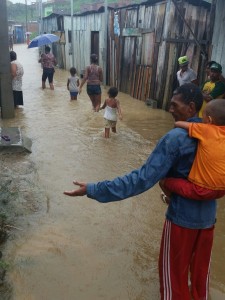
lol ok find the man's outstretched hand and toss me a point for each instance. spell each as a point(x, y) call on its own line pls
point(79, 192)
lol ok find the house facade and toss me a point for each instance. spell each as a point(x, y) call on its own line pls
point(218, 41)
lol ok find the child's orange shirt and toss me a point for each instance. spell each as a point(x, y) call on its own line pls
point(208, 169)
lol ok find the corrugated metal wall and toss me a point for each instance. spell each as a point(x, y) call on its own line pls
point(83, 26)
point(54, 24)
point(218, 42)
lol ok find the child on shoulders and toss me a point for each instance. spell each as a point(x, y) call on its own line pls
point(206, 180)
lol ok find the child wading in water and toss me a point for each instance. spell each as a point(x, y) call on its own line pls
point(73, 84)
point(207, 176)
point(112, 108)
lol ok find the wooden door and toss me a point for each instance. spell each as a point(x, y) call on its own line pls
point(95, 42)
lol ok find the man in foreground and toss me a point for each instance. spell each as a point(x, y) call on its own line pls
point(189, 226)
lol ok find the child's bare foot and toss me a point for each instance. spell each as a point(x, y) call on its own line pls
point(163, 188)
point(165, 199)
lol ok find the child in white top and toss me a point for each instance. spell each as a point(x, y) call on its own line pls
point(112, 108)
point(73, 84)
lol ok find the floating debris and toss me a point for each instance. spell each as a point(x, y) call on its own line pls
point(11, 139)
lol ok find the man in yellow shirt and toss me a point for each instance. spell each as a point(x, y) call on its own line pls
point(213, 88)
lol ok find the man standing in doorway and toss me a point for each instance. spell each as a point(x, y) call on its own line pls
point(187, 237)
point(185, 74)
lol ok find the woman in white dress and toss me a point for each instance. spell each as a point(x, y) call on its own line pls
point(17, 74)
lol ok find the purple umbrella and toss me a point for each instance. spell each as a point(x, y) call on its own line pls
point(43, 39)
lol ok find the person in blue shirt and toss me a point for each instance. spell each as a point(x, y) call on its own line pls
point(187, 236)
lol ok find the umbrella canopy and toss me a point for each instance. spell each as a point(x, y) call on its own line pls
point(43, 39)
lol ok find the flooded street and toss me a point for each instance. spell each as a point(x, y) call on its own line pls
point(76, 248)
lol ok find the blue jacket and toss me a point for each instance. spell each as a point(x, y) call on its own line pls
point(172, 157)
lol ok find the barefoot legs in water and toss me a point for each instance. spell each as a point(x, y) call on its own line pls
point(96, 101)
point(43, 85)
point(107, 133)
point(114, 129)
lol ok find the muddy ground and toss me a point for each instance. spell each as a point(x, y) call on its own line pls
point(20, 196)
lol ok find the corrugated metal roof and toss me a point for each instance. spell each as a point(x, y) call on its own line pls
point(100, 7)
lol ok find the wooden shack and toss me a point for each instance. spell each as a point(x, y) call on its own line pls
point(218, 41)
point(88, 37)
point(55, 24)
point(145, 42)
point(142, 44)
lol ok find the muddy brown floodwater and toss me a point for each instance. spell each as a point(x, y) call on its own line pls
point(76, 248)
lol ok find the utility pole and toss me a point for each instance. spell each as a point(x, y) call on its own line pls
point(40, 17)
point(105, 37)
point(6, 94)
point(26, 15)
point(72, 45)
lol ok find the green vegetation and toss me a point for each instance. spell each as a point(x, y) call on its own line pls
point(65, 5)
point(17, 12)
point(4, 265)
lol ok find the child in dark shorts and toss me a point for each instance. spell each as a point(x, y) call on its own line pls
point(73, 84)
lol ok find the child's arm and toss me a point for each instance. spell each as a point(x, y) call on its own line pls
point(207, 97)
point(182, 124)
point(68, 82)
point(100, 74)
point(13, 70)
point(119, 110)
point(83, 80)
point(78, 82)
point(40, 59)
point(103, 106)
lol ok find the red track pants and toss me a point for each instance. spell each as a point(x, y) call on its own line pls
point(185, 251)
